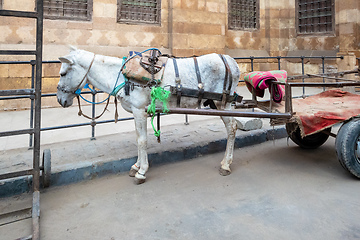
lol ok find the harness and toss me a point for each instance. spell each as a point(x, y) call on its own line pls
point(224, 97)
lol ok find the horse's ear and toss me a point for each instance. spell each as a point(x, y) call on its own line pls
point(72, 48)
point(66, 59)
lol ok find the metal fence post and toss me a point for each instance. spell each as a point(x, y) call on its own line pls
point(278, 58)
point(32, 62)
point(252, 63)
point(303, 72)
point(93, 121)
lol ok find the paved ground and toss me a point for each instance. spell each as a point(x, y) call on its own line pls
point(75, 157)
point(274, 192)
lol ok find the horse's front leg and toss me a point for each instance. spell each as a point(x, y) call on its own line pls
point(231, 127)
point(142, 165)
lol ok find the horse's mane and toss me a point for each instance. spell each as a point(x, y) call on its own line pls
point(108, 59)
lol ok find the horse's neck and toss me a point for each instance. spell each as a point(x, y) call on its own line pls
point(104, 73)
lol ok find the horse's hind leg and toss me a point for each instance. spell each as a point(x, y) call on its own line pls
point(231, 127)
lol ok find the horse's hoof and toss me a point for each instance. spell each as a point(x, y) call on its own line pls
point(139, 178)
point(139, 181)
point(224, 172)
point(132, 172)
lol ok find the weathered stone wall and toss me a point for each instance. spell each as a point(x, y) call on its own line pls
point(188, 27)
point(198, 27)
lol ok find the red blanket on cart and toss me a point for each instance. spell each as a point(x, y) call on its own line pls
point(325, 109)
point(261, 80)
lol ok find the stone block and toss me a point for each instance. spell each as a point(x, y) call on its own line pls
point(215, 41)
point(19, 5)
point(104, 23)
point(285, 13)
point(274, 13)
point(212, 6)
point(197, 28)
point(79, 25)
point(248, 124)
point(49, 84)
point(51, 69)
point(112, 2)
point(201, 5)
point(178, 52)
point(160, 40)
point(19, 70)
point(198, 41)
point(4, 70)
point(54, 24)
point(347, 28)
point(208, 17)
point(284, 33)
point(199, 52)
point(176, 3)
point(104, 10)
point(188, 4)
point(15, 83)
point(180, 41)
point(222, 7)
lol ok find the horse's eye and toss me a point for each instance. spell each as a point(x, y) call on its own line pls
point(63, 74)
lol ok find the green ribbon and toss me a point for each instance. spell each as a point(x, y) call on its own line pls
point(162, 95)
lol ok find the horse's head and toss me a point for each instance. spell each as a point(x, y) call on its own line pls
point(73, 71)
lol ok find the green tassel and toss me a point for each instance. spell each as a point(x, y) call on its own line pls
point(162, 95)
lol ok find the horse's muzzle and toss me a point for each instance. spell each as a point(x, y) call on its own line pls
point(64, 103)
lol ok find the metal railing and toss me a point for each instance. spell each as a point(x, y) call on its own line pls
point(93, 123)
point(35, 94)
point(302, 58)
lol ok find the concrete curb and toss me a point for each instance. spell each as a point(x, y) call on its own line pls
point(88, 170)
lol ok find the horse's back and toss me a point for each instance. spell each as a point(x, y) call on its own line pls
point(212, 71)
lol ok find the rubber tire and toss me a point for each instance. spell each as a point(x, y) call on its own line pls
point(346, 146)
point(309, 142)
point(46, 163)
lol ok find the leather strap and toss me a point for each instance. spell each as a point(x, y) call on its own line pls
point(194, 93)
point(227, 81)
point(80, 113)
point(200, 84)
point(87, 72)
point(178, 83)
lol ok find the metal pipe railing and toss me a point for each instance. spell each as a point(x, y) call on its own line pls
point(93, 123)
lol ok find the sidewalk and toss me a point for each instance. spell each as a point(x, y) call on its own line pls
point(74, 157)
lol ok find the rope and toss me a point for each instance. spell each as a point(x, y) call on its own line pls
point(162, 95)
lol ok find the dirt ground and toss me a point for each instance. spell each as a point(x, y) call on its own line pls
point(275, 191)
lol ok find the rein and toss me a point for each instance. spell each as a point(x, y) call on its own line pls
point(78, 90)
point(78, 95)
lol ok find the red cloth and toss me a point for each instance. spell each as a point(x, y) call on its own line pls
point(325, 109)
point(260, 80)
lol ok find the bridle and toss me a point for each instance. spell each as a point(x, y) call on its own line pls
point(77, 90)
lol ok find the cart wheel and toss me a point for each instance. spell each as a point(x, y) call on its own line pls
point(309, 142)
point(46, 164)
point(347, 145)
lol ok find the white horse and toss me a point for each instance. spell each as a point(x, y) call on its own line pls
point(81, 67)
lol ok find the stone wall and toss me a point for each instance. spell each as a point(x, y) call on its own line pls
point(188, 27)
